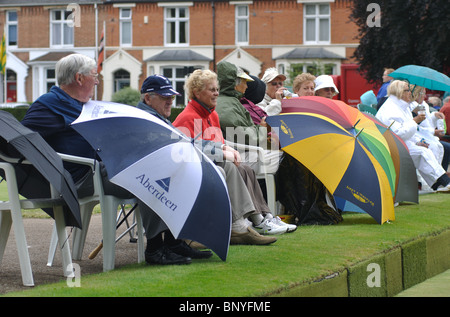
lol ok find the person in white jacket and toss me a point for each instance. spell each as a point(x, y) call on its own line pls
point(274, 81)
point(427, 128)
point(396, 111)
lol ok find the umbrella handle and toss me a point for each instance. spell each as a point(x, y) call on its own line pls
point(94, 253)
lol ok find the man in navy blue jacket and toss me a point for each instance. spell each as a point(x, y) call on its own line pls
point(52, 113)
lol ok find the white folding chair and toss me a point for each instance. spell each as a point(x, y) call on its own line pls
point(11, 215)
point(261, 172)
point(109, 207)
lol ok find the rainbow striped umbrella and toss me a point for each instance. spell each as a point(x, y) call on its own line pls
point(406, 181)
point(343, 149)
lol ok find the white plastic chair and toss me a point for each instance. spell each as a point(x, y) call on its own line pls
point(11, 215)
point(261, 172)
point(109, 206)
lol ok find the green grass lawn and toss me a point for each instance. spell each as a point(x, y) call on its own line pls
point(305, 255)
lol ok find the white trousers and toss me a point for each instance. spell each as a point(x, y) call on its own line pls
point(426, 163)
point(272, 161)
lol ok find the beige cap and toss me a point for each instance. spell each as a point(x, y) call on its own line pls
point(241, 74)
point(270, 74)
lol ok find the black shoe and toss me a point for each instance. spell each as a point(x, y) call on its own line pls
point(444, 181)
point(164, 256)
point(183, 249)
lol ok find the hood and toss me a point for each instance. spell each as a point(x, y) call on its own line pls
point(227, 74)
point(256, 90)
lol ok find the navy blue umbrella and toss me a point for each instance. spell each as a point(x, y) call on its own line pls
point(163, 169)
point(47, 167)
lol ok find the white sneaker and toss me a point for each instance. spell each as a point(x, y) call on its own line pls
point(281, 223)
point(269, 227)
point(443, 189)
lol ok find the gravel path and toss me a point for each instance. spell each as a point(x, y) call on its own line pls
point(38, 233)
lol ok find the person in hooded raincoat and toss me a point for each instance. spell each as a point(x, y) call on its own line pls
point(232, 114)
point(297, 190)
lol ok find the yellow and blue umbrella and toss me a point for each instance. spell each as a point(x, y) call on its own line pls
point(343, 149)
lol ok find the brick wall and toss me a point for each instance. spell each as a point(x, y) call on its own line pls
point(271, 23)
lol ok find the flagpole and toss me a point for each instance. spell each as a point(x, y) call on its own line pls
point(104, 42)
point(101, 51)
point(5, 97)
point(96, 43)
point(4, 88)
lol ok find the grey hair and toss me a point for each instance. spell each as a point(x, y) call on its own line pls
point(396, 88)
point(142, 98)
point(196, 81)
point(68, 66)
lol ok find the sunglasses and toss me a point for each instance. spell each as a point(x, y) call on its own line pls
point(163, 97)
point(167, 97)
point(276, 83)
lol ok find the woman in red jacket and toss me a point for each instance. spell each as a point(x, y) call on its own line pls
point(200, 120)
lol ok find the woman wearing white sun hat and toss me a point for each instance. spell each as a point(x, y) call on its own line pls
point(325, 87)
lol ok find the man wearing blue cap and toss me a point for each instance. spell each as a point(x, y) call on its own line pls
point(157, 96)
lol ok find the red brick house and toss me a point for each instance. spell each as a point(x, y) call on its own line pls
point(171, 38)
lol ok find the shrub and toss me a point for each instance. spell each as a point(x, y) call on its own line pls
point(127, 96)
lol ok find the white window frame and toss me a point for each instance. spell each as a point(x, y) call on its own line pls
point(63, 23)
point(317, 17)
point(174, 80)
point(284, 66)
point(176, 20)
point(242, 18)
point(10, 23)
point(322, 63)
point(126, 20)
point(47, 80)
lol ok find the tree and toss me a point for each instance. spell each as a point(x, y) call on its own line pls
point(408, 32)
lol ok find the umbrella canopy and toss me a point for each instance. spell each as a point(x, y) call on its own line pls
point(340, 157)
point(406, 181)
point(345, 205)
point(422, 76)
point(352, 120)
point(47, 167)
point(163, 169)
